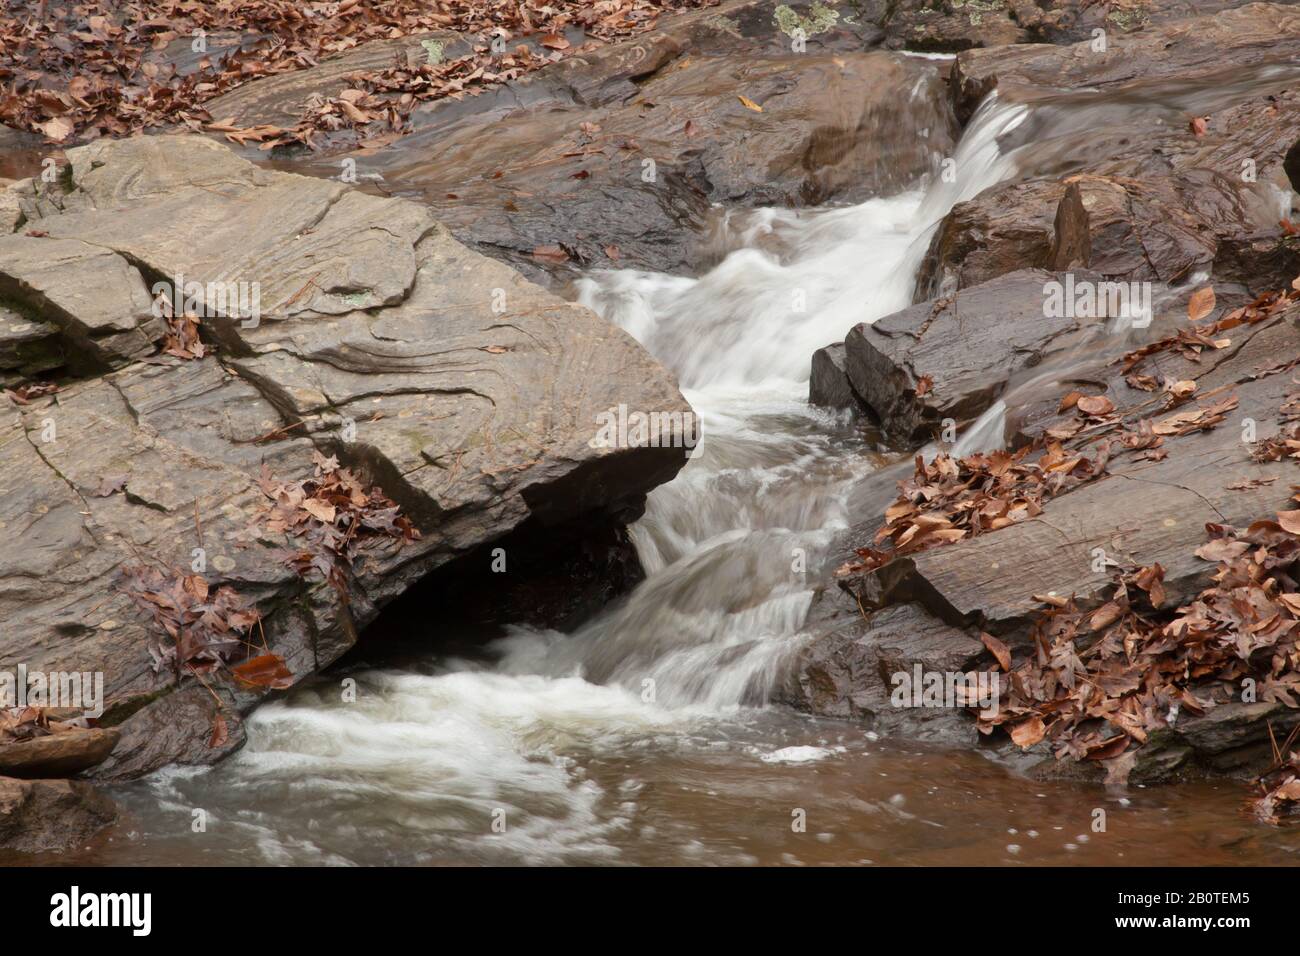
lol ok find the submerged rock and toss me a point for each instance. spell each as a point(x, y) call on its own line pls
point(44, 816)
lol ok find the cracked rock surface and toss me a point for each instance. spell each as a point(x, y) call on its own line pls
point(467, 394)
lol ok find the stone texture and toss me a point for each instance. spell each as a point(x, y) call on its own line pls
point(828, 384)
point(467, 394)
point(953, 357)
point(615, 156)
point(57, 755)
point(847, 670)
point(1249, 36)
point(44, 816)
point(95, 296)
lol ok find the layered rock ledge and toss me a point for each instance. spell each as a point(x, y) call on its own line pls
point(469, 395)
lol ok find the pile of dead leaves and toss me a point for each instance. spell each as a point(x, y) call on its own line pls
point(26, 393)
point(949, 499)
point(182, 336)
point(27, 723)
point(81, 69)
point(1286, 443)
point(334, 515)
point(1278, 788)
point(206, 628)
point(1192, 343)
point(1101, 680)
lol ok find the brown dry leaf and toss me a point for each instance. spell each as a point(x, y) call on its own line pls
point(998, 649)
point(1199, 125)
point(57, 129)
point(1200, 304)
point(550, 254)
point(924, 384)
point(1245, 484)
point(320, 510)
point(1289, 521)
point(1095, 405)
point(220, 732)
point(1028, 732)
point(266, 671)
point(749, 104)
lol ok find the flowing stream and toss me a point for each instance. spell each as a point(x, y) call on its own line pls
point(645, 737)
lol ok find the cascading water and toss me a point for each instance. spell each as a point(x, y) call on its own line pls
point(731, 548)
point(643, 737)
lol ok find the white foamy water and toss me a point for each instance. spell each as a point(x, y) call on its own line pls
point(686, 663)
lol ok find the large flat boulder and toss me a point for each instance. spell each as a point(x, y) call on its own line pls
point(1148, 511)
point(472, 398)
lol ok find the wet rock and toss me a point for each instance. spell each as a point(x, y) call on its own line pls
point(1141, 511)
point(468, 395)
point(848, 670)
point(44, 816)
point(1003, 229)
point(946, 26)
point(1163, 229)
point(1258, 263)
point(829, 384)
point(281, 100)
point(951, 358)
point(1249, 36)
point(629, 183)
point(57, 755)
point(615, 156)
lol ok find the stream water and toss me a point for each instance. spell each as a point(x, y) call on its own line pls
point(644, 737)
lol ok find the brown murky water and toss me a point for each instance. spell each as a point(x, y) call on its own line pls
point(722, 793)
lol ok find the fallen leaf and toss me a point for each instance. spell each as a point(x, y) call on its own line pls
point(997, 649)
point(1028, 732)
point(1095, 405)
point(57, 129)
point(1200, 304)
point(265, 670)
point(320, 510)
point(220, 732)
